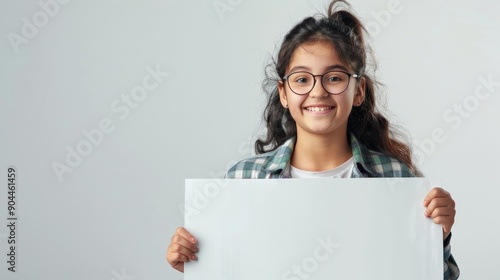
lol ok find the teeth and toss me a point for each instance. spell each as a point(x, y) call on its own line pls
point(318, 109)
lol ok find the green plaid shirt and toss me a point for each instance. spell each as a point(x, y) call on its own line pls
point(367, 163)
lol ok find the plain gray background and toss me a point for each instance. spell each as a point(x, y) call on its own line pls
point(113, 216)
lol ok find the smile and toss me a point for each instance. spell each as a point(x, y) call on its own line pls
point(319, 109)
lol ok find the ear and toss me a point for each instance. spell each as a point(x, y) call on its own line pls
point(359, 96)
point(281, 90)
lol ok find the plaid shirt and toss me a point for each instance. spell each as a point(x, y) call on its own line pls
point(367, 163)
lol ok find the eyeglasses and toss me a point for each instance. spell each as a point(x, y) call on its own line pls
point(333, 82)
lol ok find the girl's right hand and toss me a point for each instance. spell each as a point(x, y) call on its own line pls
point(182, 249)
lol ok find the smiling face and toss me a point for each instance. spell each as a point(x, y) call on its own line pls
point(319, 112)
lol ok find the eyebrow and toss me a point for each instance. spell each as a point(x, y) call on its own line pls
point(329, 68)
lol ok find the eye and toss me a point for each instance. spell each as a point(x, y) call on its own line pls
point(334, 78)
point(301, 80)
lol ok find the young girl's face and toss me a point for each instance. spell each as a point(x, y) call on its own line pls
point(320, 112)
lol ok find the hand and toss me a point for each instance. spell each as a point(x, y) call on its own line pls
point(181, 249)
point(441, 208)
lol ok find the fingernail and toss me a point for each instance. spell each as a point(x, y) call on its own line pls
point(193, 257)
point(425, 202)
point(193, 240)
point(196, 249)
point(426, 214)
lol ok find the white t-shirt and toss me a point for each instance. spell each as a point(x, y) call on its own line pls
point(342, 171)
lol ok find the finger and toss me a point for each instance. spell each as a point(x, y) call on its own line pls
point(179, 249)
point(174, 258)
point(185, 234)
point(440, 202)
point(445, 217)
point(435, 193)
point(444, 220)
point(178, 240)
point(441, 211)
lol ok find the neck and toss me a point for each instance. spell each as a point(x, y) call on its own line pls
point(320, 152)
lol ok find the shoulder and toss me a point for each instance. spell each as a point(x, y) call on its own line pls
point(263, 166)
point(386, 166)
point(249, 168)
point(376, 164)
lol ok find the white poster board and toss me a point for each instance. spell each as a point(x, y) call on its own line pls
point(312, 229)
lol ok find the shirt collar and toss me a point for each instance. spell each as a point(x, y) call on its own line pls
point(279, 161)
point(362, 159)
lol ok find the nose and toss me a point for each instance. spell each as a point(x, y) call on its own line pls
point(318, 90)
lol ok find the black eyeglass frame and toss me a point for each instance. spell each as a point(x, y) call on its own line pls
point(349, 75)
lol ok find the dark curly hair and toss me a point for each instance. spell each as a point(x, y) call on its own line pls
point(346, 33)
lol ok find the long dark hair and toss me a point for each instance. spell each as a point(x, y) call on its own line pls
point(345, 31)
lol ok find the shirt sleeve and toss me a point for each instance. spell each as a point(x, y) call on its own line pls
point(451, 271)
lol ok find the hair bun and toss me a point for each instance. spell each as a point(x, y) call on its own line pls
point(338, 11)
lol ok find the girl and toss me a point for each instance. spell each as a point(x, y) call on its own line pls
point(322, 121)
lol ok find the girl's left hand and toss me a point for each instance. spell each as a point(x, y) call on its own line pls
point(441, 208)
